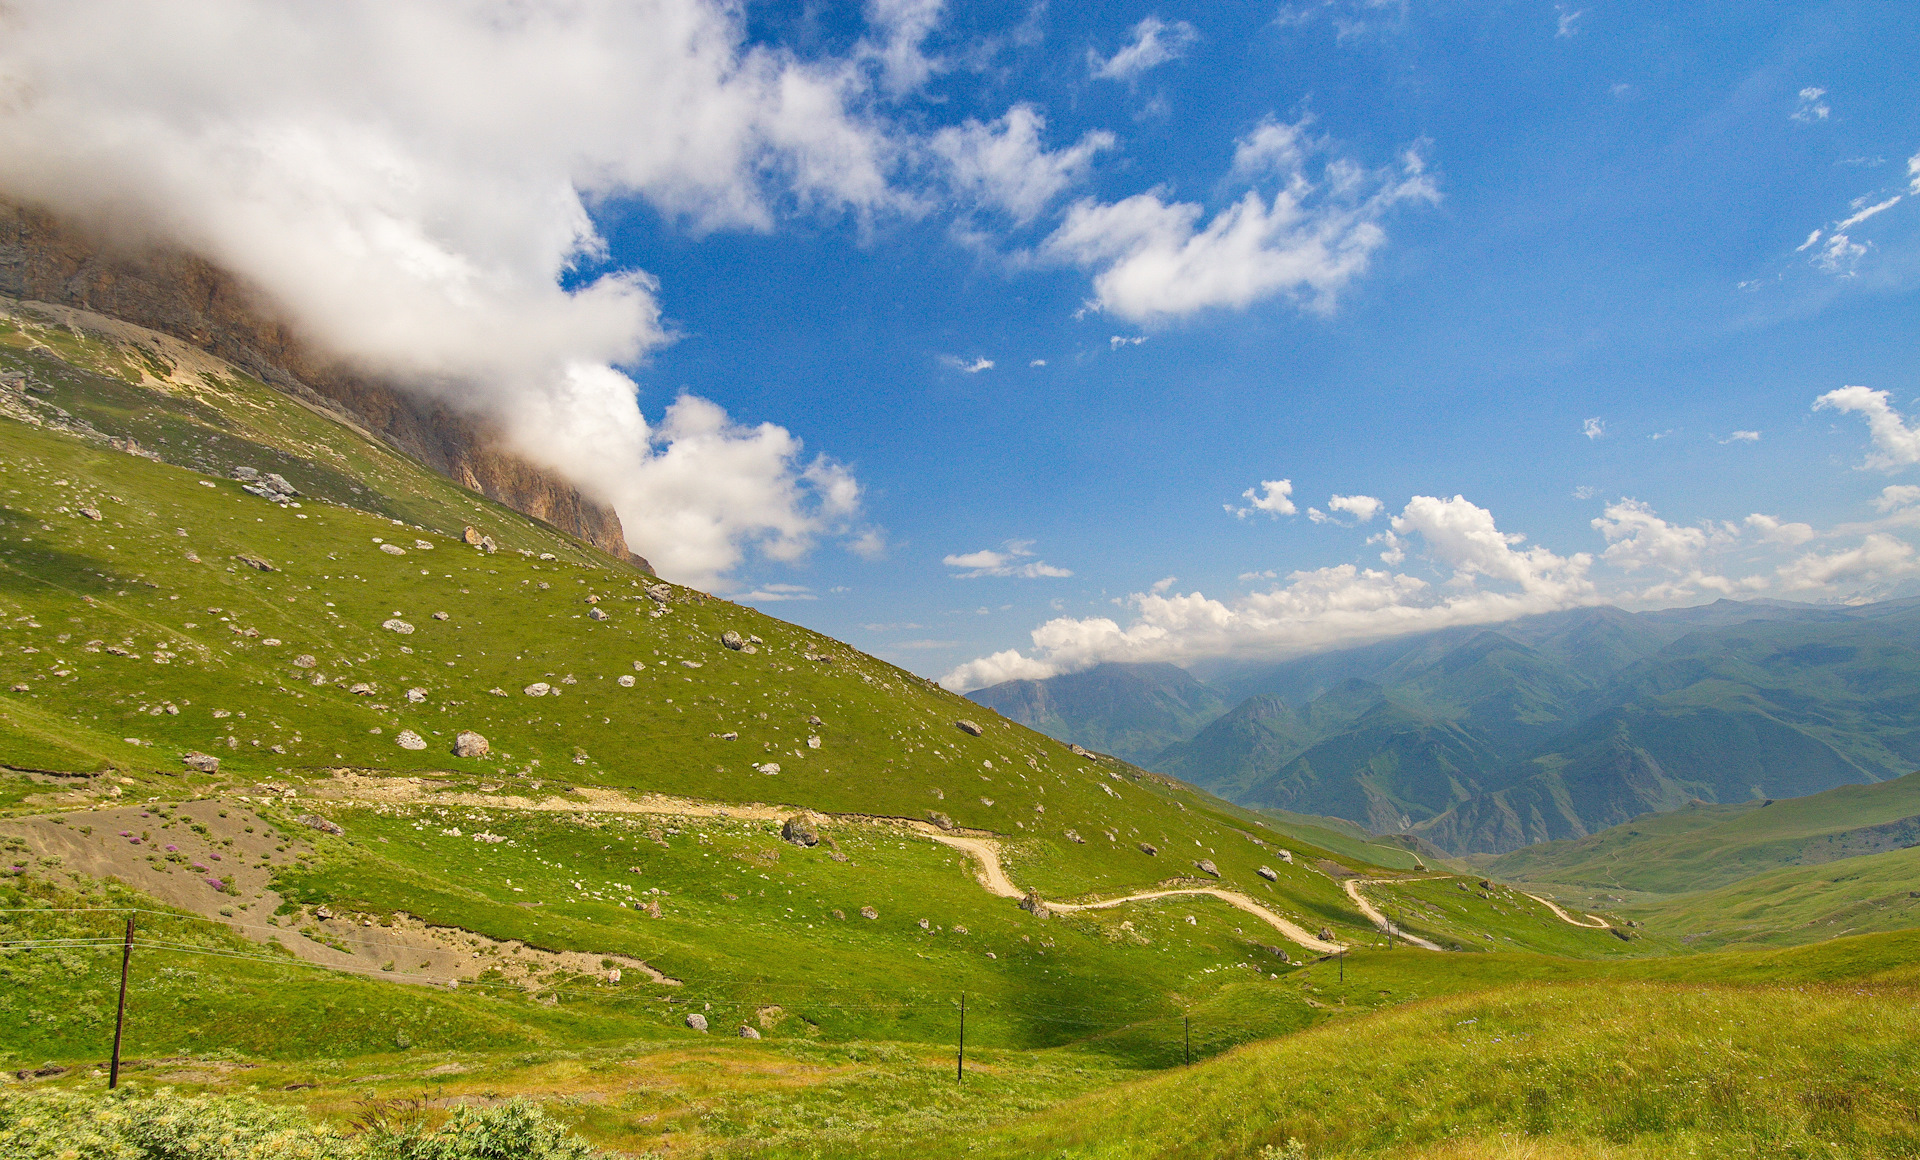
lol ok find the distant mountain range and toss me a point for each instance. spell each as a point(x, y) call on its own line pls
point(1487, 739)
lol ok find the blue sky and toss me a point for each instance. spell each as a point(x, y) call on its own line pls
point(1621, 192)
point(1005, 339)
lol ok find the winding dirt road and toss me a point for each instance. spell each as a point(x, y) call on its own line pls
point(1293, 931)
point(1378, 919)
point(1598, 923)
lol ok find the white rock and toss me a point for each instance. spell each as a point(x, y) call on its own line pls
point(538, 689)
point(395, 624)
point(697, 1021)
point(416, 695)
point(408, 739)
point(626, 681)
point(393, 549)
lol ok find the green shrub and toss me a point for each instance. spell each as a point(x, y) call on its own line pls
point(70, 1125)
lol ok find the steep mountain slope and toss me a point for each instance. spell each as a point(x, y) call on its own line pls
point(49, 260)
point(1130, 710)
point(200, 683)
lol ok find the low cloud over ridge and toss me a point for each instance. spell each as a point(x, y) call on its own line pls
point(410, 186)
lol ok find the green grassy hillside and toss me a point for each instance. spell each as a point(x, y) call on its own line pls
point(1701, 846)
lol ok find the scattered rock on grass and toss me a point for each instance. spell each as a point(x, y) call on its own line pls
point(408, 739)
point(1268, 873)
point(1146, 849)
point(969, 728)
point(1206, 866)
point(393, 549)
point(747, 1032)
point(316, 822)
point(470, 744)
point(597, 613)
point(660, 593)
point(416, 696)
point(625, 681)
point(538, 689)
point(1326, 934)
point(1033, 904)
point(799, 830)
point(869, 912)
point(697, 1021)
point(203, 762)
point(732, 640)
point(304, 661)
point(440, 616)
point(395, 624)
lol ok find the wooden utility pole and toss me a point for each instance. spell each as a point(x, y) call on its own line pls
point(120, 1019)
point(960, 1060)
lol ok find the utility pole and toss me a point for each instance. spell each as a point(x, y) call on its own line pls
point(960, 1060)
point(1186, 1024)
point(120, 1020)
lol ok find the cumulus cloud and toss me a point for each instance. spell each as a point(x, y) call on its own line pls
point(1361, 507)
point(410, 185)
point(1896, 445)
point(1003, 165)
point(1777, 531)
point(903, 27)
point(1155, 42)
point(1154, 259)
point(1489, 577)
point(1811, 107)
point(707, 489)
point(1271, 497)
point(1878, 557)
point(1015, 558)
point(1594, 428)
point(1637, 538)
point(1742, 437)
point(1896, 495)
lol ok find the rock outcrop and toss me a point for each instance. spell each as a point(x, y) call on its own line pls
point(45, 259)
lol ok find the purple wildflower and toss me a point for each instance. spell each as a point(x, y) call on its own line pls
point(126, 833)
point(173, 849)
point(216, 884)
point(215, 857)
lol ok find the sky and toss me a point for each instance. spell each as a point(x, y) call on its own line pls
point(1001, 340)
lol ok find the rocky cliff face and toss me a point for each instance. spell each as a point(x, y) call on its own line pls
point(48, 260)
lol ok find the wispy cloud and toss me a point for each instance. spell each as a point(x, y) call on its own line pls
point(1155, 42)
point(954, 362)
point(1595, 428)
point(1811, 107)
point(1015, 559)
point(773, 593)
point(1567, 21)
point(1742, 437)
point(1120, 340)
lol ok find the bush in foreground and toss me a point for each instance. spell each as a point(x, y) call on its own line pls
point(68, 1125)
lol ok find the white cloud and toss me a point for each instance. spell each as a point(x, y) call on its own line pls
point(954, 362)
point(1039, 362)
point(1594, 428)
point(1164, 583)
point(774, 593)
point(1567, 20)
point(1155, 260)
point(1896, 445)
point(1913, 174)
point(1316, 609)
point(1361, 507)
point(1014, 559)
point(1811, 107)
point(1585, 491)
point(1637, 538)
point(1863, 214)
point(1270, 497)
point(1812, 238)
point(1879, 557)
point(1119, 340)
point(1002, 164)
point(1774, 531)
point(1155, 42)
point(1896, 495)
point(1840, 255)
point(1742, 437)
point(408, 184)
point(705, 489)
point(904, 26)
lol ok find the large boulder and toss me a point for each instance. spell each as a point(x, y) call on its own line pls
point(799, 830)
point(470, 744)
point(1207, 867)
point(203, 762)
point(969, 727)
point(697, 1021)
